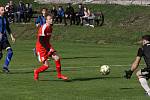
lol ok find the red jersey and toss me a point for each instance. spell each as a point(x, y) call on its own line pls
point(46, 32)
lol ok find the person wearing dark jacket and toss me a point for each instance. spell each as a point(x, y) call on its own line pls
point(54, 14)
point(80, 14)
point(69, 14)
point(20, 11)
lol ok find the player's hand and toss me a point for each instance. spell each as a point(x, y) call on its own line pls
point(38, 25)
point(128, 74)
point(13, 38)
point(51, 51)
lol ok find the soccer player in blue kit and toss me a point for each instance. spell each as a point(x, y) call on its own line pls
point(4, 43)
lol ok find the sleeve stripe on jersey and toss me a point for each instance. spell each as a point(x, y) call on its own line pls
point(43, 30)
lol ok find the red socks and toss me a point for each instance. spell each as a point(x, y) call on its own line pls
point(58, 67)
point(41, 69)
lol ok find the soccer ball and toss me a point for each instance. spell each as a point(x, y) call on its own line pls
point(104, 69)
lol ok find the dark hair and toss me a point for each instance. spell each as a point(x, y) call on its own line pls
point(44, 8)
point(146, 37)
point(1, 6)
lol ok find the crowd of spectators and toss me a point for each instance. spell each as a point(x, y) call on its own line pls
point(18, 13)
point(23, 12)
point(82, 16)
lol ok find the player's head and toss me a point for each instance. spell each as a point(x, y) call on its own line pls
point(44, 11)
point(49, 19)
point(145, 39)
point(2, 10)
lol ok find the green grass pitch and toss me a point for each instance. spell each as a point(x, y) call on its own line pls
point(80, 62)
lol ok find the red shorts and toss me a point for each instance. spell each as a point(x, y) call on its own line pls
point(43, 54)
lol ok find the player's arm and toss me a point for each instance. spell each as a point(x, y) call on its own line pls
point(135, 64)
point(37, 22)
point(9, 31)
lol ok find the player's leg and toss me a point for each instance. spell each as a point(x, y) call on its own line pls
point(42, 68)
point(142, 75)
point(58, 66)
point(9, 55)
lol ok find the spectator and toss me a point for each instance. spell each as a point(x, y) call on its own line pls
point(12, 11)
point(91, 17)
point(86, 13)
point(88, 17)
point(69, 14)
point(20, 12)
point(80, 14)
point(28, 12)
point(54, 14)
point(60, 14)
point(7, 10)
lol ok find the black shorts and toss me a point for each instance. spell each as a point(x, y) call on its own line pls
point(4, 45)
point(145, 72)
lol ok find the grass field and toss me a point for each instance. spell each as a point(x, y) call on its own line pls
point(83, 50)
point(80, 62)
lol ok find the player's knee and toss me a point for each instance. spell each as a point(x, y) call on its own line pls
point(9, 51)
point(138, 74)
point(56, 57)
point(46, 63)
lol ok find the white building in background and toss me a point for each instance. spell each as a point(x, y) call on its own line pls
point(57, 1)
point(121, 2)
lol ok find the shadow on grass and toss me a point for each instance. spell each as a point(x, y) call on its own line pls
point(94, 78)
point(82, 57)
point(30, 72)
point(86, 79)
point(126, 88)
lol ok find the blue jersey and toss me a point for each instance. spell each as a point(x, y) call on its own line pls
point(4, 27)
point(40, 20)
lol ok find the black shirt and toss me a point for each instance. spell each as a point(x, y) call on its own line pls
point(69, 11)
point(54, 12)
point(145, 53)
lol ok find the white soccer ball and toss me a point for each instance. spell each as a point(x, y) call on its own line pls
point(104, 69)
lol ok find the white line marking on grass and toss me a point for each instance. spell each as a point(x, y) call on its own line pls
point(27, 69)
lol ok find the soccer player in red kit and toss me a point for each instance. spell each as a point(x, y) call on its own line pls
point(45, 50)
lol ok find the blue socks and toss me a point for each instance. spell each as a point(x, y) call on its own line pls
point(8, 58)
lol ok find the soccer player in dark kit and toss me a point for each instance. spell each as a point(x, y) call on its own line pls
point(4, 43)
point(142, 74)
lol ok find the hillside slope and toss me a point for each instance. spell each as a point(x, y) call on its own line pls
point(123, 24)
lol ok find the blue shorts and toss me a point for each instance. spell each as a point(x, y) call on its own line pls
point(4, 45)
